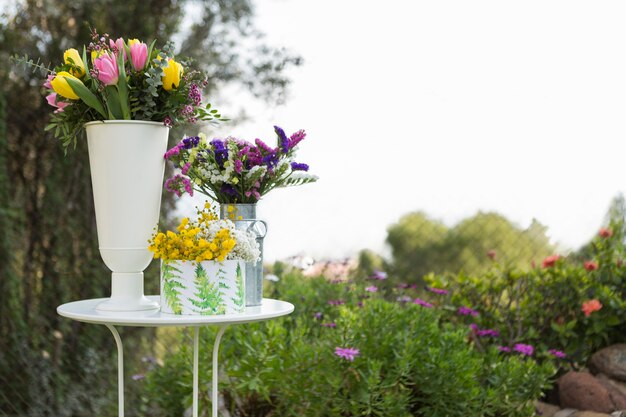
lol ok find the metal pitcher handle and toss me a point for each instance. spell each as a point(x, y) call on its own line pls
point(251, 228)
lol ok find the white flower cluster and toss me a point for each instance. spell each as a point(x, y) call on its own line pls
point(246, 249)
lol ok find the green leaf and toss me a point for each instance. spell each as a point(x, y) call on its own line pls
point(122, 88)
point(113, 101)
point(86, 96)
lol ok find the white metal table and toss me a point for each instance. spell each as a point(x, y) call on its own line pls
point(85, 311)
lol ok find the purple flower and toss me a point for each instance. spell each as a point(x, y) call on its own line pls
point(527, 350)
point(228, 190)
point(336, 302)
point(557, 353)
point(238, 166)
point(283, 142)
point(372, 288)
point(404, 299)
point(263, 146)
point(318, 316)
point(347, 353)
point(167, 121)
point(190, 142)
point(185, 169)
point(379, 275)
point(484, 332)
point(179, 185)
point(195, 95)
point(296, 138)
point(422, 303)
point(138, 377)
point(466, 311)
point(299, 167)
point(439, 291)
point(333, 325)
point(504, 349)
point(220, 151)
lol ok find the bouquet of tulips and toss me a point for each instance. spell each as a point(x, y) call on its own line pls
point(123, 79)
point(234, 171)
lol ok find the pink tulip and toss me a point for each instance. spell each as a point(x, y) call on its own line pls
point(52, 100)
point(139, 55)
point(108, 72)
point(119, 44)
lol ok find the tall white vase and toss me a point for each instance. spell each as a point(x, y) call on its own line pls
point(127, 165)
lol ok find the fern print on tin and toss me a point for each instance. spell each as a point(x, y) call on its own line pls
point(202, 288)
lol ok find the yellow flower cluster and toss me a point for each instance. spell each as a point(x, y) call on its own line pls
point(194, 240)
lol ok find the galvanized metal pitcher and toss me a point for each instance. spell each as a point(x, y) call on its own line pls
point(244, 217)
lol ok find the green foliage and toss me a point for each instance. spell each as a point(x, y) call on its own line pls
point(420, 245)
point(544, 306)
point(172, 286)
point(240, 296)
point(209, 298)
point(411, 362)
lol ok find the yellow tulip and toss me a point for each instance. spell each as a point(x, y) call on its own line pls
point(96, 54)
point(61, 86)
point(133, 41)
point(173, 72)
point(76, 60)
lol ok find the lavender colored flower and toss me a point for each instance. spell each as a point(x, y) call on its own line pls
point(359, 304)
point(172, 152)
point(318, 316)
point(379, 275)
point(185, 169)
point(331, 325)
point(336, 302)
point(439, 291)
point(487, 333)
point(179, 185)
point(263, 146)
point(220, 151)
point(238, 166)
point(299, 167)
point(228, 190)
point(190, 142)
point(404, 299)
point(557, 353)
point(296, 138)
point(524, 349)
point(466, 311)
point(423, 303)
point(371, 288)
point(504, 349)
point(138, 377)
point(195, 94)
point(347, 353)
point(167, 121)
point(283, 142)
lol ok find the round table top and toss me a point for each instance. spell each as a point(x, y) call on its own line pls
point(85, 311)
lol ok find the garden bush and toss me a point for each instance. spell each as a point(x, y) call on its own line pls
point(346, 351)
point(573, 305)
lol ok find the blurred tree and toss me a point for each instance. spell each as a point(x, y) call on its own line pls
point(48, 248)
point(420, 245)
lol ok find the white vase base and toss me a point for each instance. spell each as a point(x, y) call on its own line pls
point(125, 304)
point(127, 294)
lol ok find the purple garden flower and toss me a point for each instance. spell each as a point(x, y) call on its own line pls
point(318, 316)
point(296, 138)
point(439, 291)
point(372, 288)
point(283, 142)
point(404, 299)
point(299, 167)
point(263, 146)
point(332, 325)
point(336, 302)
point(557, 353)
point(138, 377)
point(504, 349)
point(484, 332)
point(527, 350)
point(347, 353)
point(174, 151)
point(379, 275)
point(179, 185)
point(466, 311)
point(422, 303)
point(190, 142)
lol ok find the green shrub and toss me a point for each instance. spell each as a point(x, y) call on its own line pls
point(544, 306)
point(410, 362)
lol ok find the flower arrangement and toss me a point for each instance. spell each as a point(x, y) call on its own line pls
point(235, 171)
point(205, 239)
point(122, 79)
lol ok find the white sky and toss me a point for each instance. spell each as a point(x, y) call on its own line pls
point(448, 107)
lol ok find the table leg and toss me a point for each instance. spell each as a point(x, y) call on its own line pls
point(214, 385)
point(120, 369)
point(196, 343)
point(214, 389)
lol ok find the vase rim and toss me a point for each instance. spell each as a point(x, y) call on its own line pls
point(134, 122)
